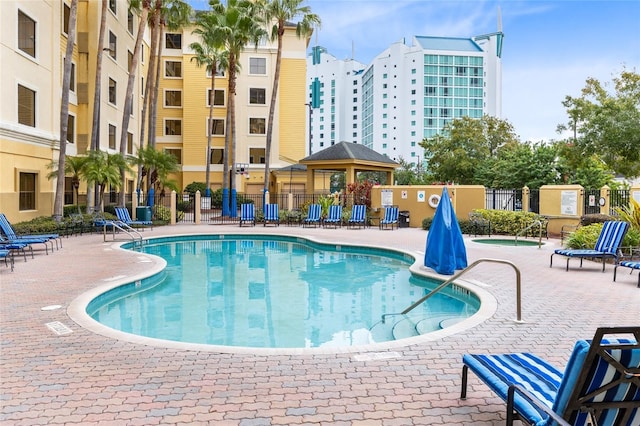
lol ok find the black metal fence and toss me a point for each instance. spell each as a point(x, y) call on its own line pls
point(503, 199)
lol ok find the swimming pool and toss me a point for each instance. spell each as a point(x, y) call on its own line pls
point(277, 292)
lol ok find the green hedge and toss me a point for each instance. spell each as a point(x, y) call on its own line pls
point(585, 237)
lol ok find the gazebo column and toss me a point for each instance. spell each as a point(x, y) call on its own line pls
point(390, 178)
point(351, 174)
point(311, 178)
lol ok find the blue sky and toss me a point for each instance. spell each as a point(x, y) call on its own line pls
point(550, 47)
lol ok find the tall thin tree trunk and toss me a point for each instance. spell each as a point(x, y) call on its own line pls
point(97, 91)
point(128, 100)
point(64, 113)
point(272, 108)
point(212, 98)
point(153, 110)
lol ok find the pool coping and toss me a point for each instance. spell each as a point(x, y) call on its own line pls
point(76, 310)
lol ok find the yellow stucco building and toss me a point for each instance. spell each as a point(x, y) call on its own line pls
point(33, 38)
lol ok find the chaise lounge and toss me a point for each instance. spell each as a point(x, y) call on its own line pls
point(599, 386)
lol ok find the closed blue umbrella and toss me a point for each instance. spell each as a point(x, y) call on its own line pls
point(445, 246)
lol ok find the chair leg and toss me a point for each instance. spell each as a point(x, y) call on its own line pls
point(463, 390)
point(615, 270)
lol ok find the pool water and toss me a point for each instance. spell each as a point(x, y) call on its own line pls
point(506, 242)
point(275, 292)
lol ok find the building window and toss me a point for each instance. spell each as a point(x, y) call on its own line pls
point(27, 191)
point(257, 126)
point(113, 45)
point(256, 155)
point(26, 34)
point(216, 127)
point(176, 152)
point(66, 11)
point(172, 127)
point(173, 69)
point(72, 79)
point(217, 156)
point(257, 96)
point(26, 106)
point(218, 99)
point(112, 136)
point(112, 91)
point(172, 98)
point(112, 6)
point(257, 66)
point(173, 41)
point(71, 128)
point(129, 143)
point(130, 22)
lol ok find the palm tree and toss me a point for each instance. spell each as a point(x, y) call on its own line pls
point(239, 26)
point(64, 111)
point(128, 100)
point(209, 54)
point(95, 124)
point(103, 169)
point(281, 12)
point(73, 166)
point(158, 165)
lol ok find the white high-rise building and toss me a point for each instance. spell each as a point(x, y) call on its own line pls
point(406, 94)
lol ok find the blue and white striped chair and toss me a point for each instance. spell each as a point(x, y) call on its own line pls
point(7, 256)
point(334, 218)
point(390, 218)
point(600, 384)
point(247, 214)
point(632, 264)
point(313, 215)
point(271, 214)
point(358, 215)
point(607, 246)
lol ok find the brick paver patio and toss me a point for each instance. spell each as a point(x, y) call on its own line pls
point(87, 378)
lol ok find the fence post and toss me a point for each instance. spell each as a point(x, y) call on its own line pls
point(173, 207)
point(525, 199)
point(196, 208)
point(605, 195)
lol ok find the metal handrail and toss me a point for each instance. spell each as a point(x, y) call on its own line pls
point(458, 275)
point(535, 222)
point(122, 227)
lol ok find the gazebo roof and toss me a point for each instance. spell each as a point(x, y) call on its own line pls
point(349, 151)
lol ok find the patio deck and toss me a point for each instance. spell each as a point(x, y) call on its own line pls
point(86, 378)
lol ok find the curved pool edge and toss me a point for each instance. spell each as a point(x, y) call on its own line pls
point(77, 309)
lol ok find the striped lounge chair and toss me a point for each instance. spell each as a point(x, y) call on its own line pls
point(313, 215)
point(633, 264)
point(271, 214)
point(607, 246)
point(599, 386)
point(390, 218)
point(334, 218)
point(358, 215)
point(247, 214)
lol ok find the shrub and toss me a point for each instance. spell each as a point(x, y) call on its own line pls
point(507, 222)
point(585, 237)
point(194, 187)
point(39, 225)
point(164, 214)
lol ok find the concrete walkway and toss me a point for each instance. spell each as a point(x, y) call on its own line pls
point(87, 378)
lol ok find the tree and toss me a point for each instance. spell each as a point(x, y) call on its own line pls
point(454, 155)
point(128, 99)
point(64, 111)
point(606, 122)
point(103, 169)
point(158, 166)
point(208, 53)
point(97, 91)
point(281, 12)
point(73, 166)
point(238, 27)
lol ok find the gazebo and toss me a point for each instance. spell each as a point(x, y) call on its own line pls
point(349, 157)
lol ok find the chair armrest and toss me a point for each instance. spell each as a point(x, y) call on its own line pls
point(515, 388)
